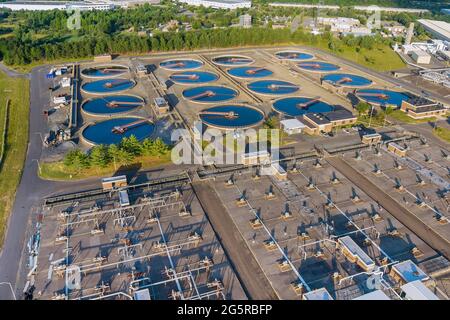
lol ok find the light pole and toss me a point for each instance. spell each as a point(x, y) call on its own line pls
point(39, 165)
point(10, 287)
point(370, 117)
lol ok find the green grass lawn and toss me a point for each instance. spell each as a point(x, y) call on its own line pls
point(403, 117)
point(16, 89)
point(381, 58)
point(58, 171)
point(442, 133)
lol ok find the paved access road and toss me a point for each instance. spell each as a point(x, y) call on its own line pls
point(30, 191)
point(428, 235)
point(247, 269)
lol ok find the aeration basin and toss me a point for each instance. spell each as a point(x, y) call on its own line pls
point(209, 94)
point(298, 106)
point(181, 64)
point(318, 66)
point(293, 55)
point(231, 117)
point(114, 130)
point(192, 77)
point(250, 72)
point(108, 71)
point(347, 80)
point(273, 87)
point(107, 86)
point(233, 60)
point(111, 105)
point(382, 97)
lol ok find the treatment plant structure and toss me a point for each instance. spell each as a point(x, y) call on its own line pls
point(341, 205)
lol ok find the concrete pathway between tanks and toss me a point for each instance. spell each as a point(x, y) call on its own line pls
point(406, 217)
point(248, 271)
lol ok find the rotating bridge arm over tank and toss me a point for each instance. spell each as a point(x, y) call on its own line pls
point(124, 128)
point(308, 103)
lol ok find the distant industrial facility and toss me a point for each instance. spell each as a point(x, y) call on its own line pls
point(219, 4)
point(439, 29)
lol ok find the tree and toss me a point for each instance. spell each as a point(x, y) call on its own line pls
point(131, 145)
point(77, 159)
point(100, 156)
point(362, 108)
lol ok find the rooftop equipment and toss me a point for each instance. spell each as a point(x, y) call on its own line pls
point(355, 254)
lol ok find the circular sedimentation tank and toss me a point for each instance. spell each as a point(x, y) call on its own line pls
point(347, 80)
point(298, 106)
point(250, 72)
point(111, 105)
point(293, 55)
point(112, 131)
point(193, 77)
point(231, 117)
point(107, 86)
point(209, 94)
point(382, 97)
point(318, 66)
point(181, 64)
point(273, 87)
point(233, 60)
point(108, 71)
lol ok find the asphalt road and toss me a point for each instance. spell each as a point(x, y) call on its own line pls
point(247, 269)
point(407, 218)
point(12, 73)
point(30, 191)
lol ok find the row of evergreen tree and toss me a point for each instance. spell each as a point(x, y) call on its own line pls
point(124, 153)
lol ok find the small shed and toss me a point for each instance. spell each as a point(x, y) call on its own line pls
point(114, 182)
point(372, 138)
point(396, 149)
point(292, 126)
point(355, 254)
point(407, 271)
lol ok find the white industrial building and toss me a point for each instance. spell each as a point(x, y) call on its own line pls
point(55, 5)
point(245, 21)
point(420, 56)
point(439, 29)
point(219, 4)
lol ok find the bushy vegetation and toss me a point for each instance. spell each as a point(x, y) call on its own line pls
point(124, 153)
point(15, 141)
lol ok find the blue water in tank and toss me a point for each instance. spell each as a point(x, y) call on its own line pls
point(292, 106)
point(101, 106)
point(101, 86)
point(250, 72)
point(101, 132)
point(219, 94)
point(273, 87)
point(192, 77)
point(246, 117)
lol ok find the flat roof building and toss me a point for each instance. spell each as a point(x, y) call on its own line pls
point(318, 294)
point(292, 126)
point(55, 5)
point(407, 271)
point(219, 4)
point(439, 29)
point(416, 290)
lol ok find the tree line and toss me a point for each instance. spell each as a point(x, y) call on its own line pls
point(124, 153)
point(16, 52)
